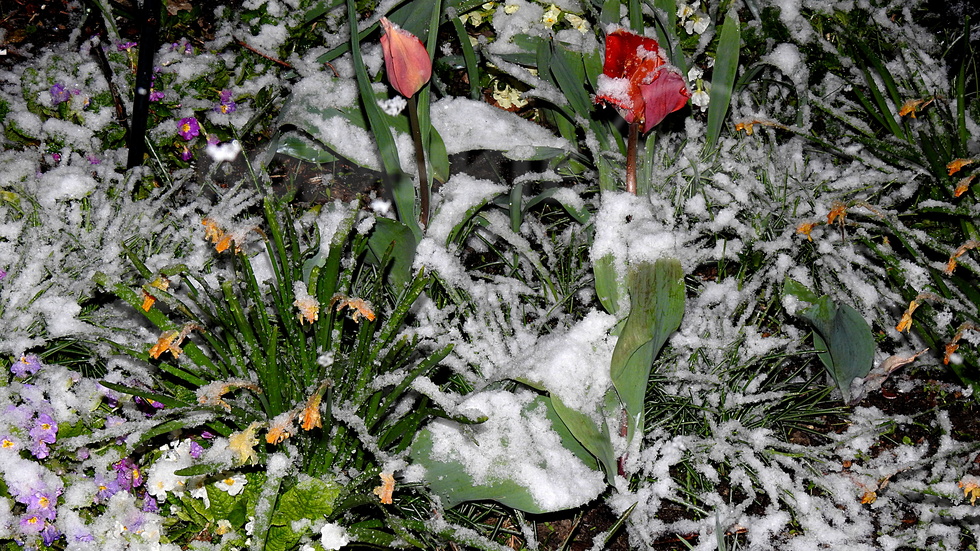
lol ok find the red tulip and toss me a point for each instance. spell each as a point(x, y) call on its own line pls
point(638, 81)
point(406, 59)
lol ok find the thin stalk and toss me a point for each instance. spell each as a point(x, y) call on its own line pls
point(631, 157)
point(413, 119)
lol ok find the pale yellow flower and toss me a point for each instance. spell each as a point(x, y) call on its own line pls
point(243, 444)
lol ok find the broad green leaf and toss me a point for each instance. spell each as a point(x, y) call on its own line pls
point(845, 340)
point(589, 438)
point(656, 308)
point(311, 498)
point(723, 79)
point(392, 235)
point(298, 148)
point(449, 479)
point(607, 283)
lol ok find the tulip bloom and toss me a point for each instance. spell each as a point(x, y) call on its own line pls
point(638, 81)
point(406, 59)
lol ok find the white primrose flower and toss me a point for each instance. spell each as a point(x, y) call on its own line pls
point(233, 484)
point(697, 24)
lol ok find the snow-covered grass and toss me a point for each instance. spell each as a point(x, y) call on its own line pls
point(196, 362)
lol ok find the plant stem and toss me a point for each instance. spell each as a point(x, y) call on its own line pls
point(631, 141)
point(413, 119)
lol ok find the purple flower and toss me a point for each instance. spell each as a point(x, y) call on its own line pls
point(106, 488)
point(186, 154)
point(188, 128)
point(50, 534)
point(126, 46)
point(196, 450)
point(26, 366)
point(45, 429)
point(156, 95)
point(9, 442)
point(226, 105)
point(3, 274)
point(150, 504)
point(42, 504)
point(31, 524)
point(128, 474)
point(39, 449)
point(59, 94)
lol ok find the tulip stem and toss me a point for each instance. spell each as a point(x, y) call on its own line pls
point(413, 119)
point(631, 141)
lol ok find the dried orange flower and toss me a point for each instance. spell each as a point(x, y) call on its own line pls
point(906, 320)
point(914, 105)
point(386, 489)
point(963, 185)
point(868, 498)
point(170, 341)
point(311, 413)
point(956, 165)
point(210, 394)
point(970, 488)
point(805, 228)
point(281, 427)
point(951, 265)
point(837, 209)
point(219, 237)
point(162, 283)
point(309, 306)
point(953, 345)
point(748, 124)
point(360, 307)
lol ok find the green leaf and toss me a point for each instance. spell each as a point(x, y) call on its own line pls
point(841, 334)
point(392, 235)
point(298, 148)
point(656, 308)
point(589, 443)
point(723, 79)
point(449, 479)
point(607, 283)
point(311, 498)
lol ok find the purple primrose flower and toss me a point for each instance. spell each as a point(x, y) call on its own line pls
point(188, 128)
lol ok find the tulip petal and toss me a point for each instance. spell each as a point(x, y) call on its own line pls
point(666, 93)
point(406, 59)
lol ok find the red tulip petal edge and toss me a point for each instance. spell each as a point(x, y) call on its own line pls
point(638, 81)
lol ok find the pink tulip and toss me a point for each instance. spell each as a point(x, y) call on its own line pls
point(406, 59)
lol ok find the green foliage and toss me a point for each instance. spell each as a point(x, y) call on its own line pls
point(841, 336)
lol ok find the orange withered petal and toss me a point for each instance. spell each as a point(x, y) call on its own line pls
point(963, 185)
point(956, 165)
point(386, 489)
point(148, 301)
point(407, 62)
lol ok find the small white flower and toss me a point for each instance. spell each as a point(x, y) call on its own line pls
point(333, 536)
point(577, 22)
point(511, 8)
point(685, 10)
point(550, 17)
point(233, 484)
point(698, 23)
point(701, 98)
point(694, 74)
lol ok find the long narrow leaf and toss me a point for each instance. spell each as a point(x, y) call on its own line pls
point(723, 79)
